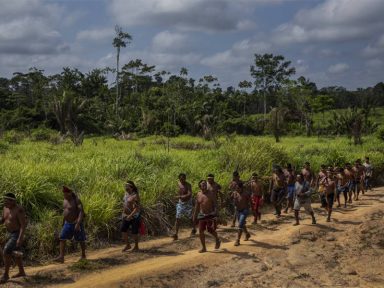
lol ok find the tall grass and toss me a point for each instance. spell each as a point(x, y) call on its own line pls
point(35, 172)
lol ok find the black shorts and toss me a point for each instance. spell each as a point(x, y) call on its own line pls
point(134, 224)
point(327, 198)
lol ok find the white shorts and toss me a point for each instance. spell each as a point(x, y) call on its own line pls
point(306, 204)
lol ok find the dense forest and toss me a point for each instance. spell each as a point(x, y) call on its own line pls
point(147, 101)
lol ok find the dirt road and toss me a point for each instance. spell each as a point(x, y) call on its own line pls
point(348, 252)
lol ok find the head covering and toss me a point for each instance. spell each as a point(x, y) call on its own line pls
point(10, 196)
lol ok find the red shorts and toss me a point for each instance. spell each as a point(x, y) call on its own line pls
point(257, 201)
point(208, 224)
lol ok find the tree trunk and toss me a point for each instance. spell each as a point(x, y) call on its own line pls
point(308, 127)
point(117, 81)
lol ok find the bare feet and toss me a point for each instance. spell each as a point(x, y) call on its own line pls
point(126, 248)
point(18, 275)
point(59, 259)
point(135, 249)
point(4, 279)
point(218, 243)
point(203, 250)
point(328, 219)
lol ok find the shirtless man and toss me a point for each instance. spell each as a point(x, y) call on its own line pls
point(242, 201)
point(131, 216)
point(205, 212)
point(277, 189)
point(72, 223)
point(368, 174)
point(307, 173)
point(321, 177)
point(215, 188)
point(342, 187)
point(328, 197)
point(256, 197)
point(232, 188)
point(184, 206)
point(290, 178)
point(349, 174)
point(14, 219)
point(359, 177)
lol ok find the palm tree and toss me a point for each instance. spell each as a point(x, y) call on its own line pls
point(276, 120)
point(121, 40)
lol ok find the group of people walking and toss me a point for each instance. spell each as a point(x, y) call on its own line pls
point(288, 187)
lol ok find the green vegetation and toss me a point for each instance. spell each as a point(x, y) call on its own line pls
point(147, 102)
point(36, 170)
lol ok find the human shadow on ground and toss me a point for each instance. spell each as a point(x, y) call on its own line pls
point(348, 222)
point(328, 228)
point(242, 255)
point(260, 244)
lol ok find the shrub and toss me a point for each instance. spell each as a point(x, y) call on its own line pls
point(43, 134)
point(13, 137)
point(249, 125)
point(380, 133)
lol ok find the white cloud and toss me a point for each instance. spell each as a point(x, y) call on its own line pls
point(244, 25)
point(301, 67)
point(188, 15)
point(374, 63)
point(167, 41)
point(95, 34)
point(338, 68)
point(333, 21)
point(376, 49)
point(240, 54)
point(28, 27)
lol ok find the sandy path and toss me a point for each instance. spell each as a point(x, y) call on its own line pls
point(262, 243)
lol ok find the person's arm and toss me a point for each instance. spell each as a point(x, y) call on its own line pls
point(136, 208)
point(271, 184)
point(23, 224)
point(80, 217)
point(2, 218)
point(197, 208)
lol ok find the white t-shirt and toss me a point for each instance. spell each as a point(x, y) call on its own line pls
point(368, 169)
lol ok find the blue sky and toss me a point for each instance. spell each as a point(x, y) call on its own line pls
point(331, 42)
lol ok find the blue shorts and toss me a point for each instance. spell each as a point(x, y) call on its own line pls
point(291, 191)
point(68, 232)
point(184, 209)
point(242, 217)
point(352, 185)
point(134, 224)
point(342, 190)
point(10, 246)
